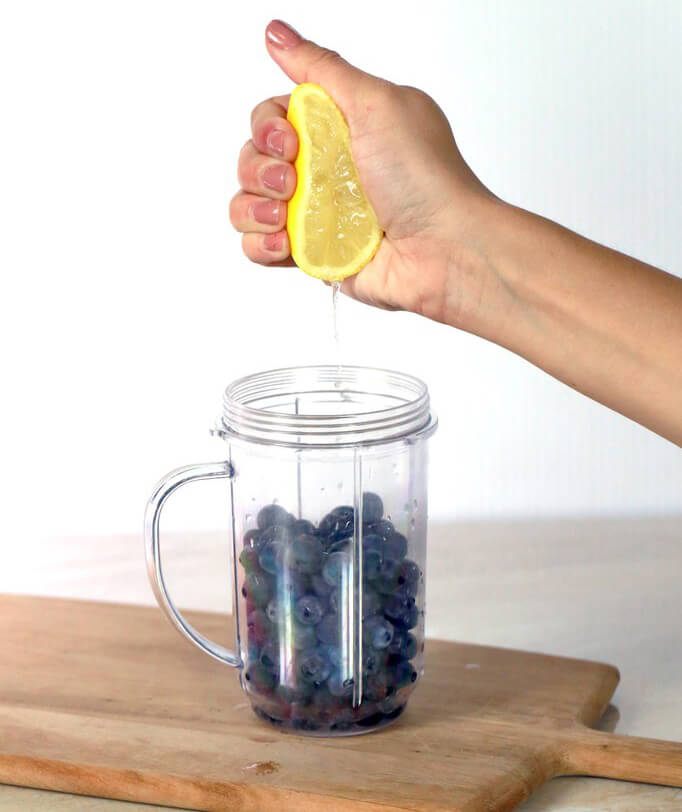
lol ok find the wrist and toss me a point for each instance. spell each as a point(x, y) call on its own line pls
point(478, 298)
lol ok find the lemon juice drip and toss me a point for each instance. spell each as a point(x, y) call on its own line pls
point(336, 287)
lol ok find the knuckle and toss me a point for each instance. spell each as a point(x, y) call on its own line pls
point(323, 58)
point(236, 208)
point(260, 109)
point(246, 173)
point(256, 111)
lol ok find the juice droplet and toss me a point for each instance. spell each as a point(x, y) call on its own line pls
point(336, 287)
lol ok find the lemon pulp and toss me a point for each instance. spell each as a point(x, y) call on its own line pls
point(333, 230)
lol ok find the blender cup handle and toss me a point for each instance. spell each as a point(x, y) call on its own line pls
point(170, 483)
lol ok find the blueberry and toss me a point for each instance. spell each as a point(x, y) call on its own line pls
point(252, 539)
point(252, 650)
point(304, 554)
point(377, 632)
point(371, 603)
point(409, 648)
point(275, 532)
point(372, 556)
point(411, 616)
point(274, 611)
point(338, 524)
point(333, 654)
point(396, 645)
point(313, 666)
point(402, 647)
point(402, 612)
point(372, 507)
point(302, 527)
point(373, 661)
point(336, 568)
point(269, 656)
point(257, 588)
point(395, 547)
point(303, 722)
point(270, 556)
point(410, 572)
point(291, 585)
point(320, 587)
point(260, 679)
point(258, 627)
point(383, 528)
point(273, 514)
point(386, 582)
point(403, 674)
point(248, 558)
point(407, 578)
point(375, 687)
point(308, 610)
point(273, 542)
point(392, 706)
point(339, 684)
point(328, 630)
point(340, 546)
point(304, 636)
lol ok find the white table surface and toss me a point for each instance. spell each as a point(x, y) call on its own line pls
point(605, 589)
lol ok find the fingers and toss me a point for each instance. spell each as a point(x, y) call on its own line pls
point(259, 214)
point(268, 180)
point(267, 249)
point(271, 132)
point(265, 176)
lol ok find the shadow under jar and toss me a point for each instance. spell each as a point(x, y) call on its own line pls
point(327, 470)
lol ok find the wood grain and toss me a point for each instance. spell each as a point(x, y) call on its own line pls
point(107, 700)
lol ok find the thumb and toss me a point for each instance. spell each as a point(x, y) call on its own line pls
point(304, 61)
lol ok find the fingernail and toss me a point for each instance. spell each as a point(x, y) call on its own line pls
point(281, 35)
point(274, 242)
point(274, 177)
point(275, 141)
point(266, 212)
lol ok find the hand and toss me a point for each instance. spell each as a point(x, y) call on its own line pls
point(426, 198)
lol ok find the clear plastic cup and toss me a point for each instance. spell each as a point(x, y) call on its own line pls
point(327, 484)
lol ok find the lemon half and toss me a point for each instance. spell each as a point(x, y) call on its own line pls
point(333, 230)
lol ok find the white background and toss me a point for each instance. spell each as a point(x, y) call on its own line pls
point(126, 305)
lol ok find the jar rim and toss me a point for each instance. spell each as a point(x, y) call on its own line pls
point(362, 406)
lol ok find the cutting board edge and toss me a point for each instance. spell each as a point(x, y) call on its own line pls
point(169, 789)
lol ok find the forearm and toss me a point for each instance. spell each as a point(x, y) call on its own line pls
point(601, 322)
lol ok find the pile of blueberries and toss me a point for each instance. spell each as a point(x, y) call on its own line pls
point(298, 583)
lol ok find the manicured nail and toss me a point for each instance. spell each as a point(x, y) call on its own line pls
point(266, 212)
point(275, 141)
point(282, 35)
point(274, 242)
point(275, 177)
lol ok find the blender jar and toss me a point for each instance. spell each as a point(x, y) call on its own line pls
point(327, 475)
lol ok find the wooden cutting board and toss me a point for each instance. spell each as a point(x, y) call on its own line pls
point(107, 700)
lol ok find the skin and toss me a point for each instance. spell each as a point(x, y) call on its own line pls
point(601, 322)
